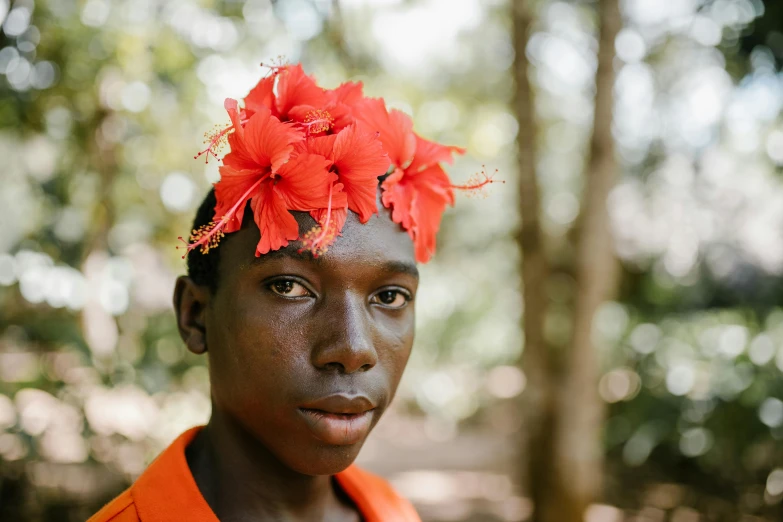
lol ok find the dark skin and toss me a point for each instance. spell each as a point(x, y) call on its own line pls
point(280, 331)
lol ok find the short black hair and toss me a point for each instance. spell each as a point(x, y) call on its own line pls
point(203, 268)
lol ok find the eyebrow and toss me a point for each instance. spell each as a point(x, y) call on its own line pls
point(401, 267)
point(293, 253)
point(392, 267)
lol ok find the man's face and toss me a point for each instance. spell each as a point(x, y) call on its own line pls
point(306, 354)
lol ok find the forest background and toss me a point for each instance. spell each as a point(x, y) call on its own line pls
point(601, 338)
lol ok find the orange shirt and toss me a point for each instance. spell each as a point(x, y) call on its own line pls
point(167, 492)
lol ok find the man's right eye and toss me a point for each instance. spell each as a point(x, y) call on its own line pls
point(288, 288)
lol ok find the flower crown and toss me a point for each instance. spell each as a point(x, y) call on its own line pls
point(298, 147)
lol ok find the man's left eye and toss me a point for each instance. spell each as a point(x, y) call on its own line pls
point(288, 288)
point(391, 298)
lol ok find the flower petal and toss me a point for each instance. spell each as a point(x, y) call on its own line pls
point(429, 153)
point(342, 101)
point(342, 116)
point(268, 141)
point(427, 210)
point(232, 187)
point(232, 194)
point(304, 182)
point(238, 158)
point(277, 225)
point(359, 158)
point(262, 95)
point(232, 107)
point(321, 145)
point(347, 92)
point(417, 201)
point(398, 196)
point(294, 88)
point(395, 128)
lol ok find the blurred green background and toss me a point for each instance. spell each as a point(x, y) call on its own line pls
point(103, 104)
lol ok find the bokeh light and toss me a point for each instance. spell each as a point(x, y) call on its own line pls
point(104, 103)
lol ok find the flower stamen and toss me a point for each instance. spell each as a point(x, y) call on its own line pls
point(318, 238)
point(477, 183)
point(276, 64)
point(208, 236)
point(214, 139)
point(317, 121)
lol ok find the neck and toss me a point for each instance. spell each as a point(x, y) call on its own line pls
point(241, 480)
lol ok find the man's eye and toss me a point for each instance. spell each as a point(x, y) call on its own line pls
point(288, 288)
point(391, 298)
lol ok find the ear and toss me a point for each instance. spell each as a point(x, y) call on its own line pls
point(190, 306)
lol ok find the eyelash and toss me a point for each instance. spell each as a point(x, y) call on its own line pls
point(405, 295)
point(271, 287)
point(398, 291)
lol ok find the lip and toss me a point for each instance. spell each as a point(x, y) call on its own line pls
point(341, 403)
point(338, 419)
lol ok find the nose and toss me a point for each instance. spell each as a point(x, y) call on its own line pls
point(346, 343)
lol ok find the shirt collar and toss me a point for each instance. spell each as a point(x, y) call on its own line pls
point(167, 491)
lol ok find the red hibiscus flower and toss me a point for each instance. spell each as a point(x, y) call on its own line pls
point(357, 158)
point(262, 169)
point(294, 88)
point(395, 129)
point(418, 190)
point(298, 147)
point(342, 101)
point(418, 196)
point(299, 100)
point(260, 96)
point(336, 113)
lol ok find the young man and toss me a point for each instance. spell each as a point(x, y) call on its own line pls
point(305, 309)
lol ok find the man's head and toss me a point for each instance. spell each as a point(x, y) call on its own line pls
point(295, 341)
point(306, 349)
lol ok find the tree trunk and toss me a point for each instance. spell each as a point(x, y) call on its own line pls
point(562, 431)
point(538, 402)
point(581, 411)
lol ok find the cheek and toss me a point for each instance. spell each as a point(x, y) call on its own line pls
point(255, 352)
point(397, 341)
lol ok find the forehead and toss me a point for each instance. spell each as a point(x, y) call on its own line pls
point(379, 243)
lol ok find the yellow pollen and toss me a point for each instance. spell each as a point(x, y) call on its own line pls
point(208, 237)
point(317, 242)
point(318, 120)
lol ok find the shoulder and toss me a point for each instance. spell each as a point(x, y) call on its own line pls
point(121, 509)
point(375, 497)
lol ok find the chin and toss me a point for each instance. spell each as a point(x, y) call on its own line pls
point(313, 443)
point(323, 459)
point(327, 443)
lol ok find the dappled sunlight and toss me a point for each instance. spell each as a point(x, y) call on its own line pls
point(104, 103)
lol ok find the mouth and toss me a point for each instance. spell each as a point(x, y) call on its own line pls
point(339, 420)
point(339, 429)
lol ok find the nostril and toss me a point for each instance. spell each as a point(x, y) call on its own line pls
point(338, 367)
point(334, 366)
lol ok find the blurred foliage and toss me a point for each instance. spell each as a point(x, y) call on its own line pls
point(103, 104)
